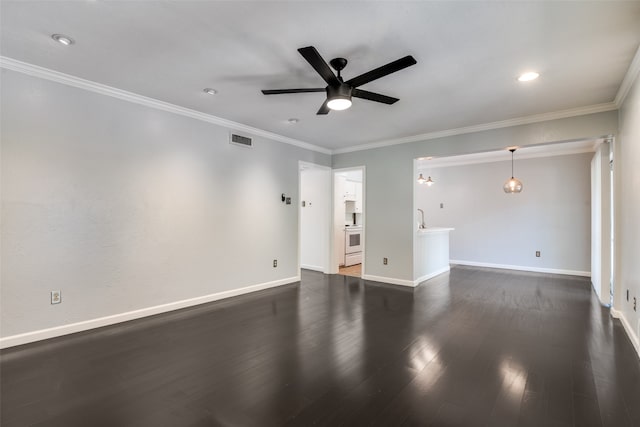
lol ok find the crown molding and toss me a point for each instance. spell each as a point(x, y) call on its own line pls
point(628, 80)
point(69, 80)
point(536, 118)
point(531, 152)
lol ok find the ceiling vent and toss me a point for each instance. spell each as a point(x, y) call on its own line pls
point(240, 140)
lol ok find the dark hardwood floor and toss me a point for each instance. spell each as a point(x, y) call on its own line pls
point(474, 347)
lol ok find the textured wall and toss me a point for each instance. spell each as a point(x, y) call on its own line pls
point(391, 175)
point(123, 207)
point(627, 209)
point(552, 214)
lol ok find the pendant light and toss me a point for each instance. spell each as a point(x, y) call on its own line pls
point(512, 185)
point(428, 181)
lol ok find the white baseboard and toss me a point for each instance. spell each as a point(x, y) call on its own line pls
point(390, 280)
point(616, 314)
point(523, 268)
point(404, 282)
point(85, 325)
point(431, 275)
point(312, 267)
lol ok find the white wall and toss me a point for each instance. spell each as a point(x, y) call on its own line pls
point(551, 215)
point(390, 178)
point(315, 218)
point(627, 213)
point(123, 207)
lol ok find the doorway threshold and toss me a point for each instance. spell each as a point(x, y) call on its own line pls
point(352, 270)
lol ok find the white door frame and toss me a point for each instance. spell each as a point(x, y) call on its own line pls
point(334, 267)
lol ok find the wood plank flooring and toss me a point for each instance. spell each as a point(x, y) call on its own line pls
point(352, 270)
point(474, 347)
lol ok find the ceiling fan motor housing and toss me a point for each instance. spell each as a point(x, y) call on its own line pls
point(339, 92)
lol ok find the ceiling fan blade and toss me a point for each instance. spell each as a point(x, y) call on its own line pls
point(313, 57)
point(372, 96)
point(281, 91)
point(387, 69)
point(324, 109)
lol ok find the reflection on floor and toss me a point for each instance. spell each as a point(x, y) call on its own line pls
point(353, 270)
point(472, 347)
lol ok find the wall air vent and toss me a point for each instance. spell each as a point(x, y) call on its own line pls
point(240, 140)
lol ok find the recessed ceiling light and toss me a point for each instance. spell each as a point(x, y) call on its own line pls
point(210, 91)
point(527, 77)
point(293, 120)
point(62, 39)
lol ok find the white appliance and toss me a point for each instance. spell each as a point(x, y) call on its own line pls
point(353, 246)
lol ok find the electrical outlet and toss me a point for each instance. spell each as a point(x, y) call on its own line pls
point(385, 261)
point(56, 297)
point(441, 205)
point(537, 254)
point(275, 263)
point(288, 201)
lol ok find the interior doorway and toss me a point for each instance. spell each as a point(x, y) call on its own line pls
point(348, 221)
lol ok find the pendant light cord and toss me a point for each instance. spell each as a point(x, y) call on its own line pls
point(511, 163)
point(513, 150)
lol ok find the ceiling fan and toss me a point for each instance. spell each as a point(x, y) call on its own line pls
point(338, 91)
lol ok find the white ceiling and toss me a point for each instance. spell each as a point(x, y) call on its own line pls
point(469, 55)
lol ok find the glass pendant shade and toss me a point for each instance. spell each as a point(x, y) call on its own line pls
point(513, 185)
point(429, 181)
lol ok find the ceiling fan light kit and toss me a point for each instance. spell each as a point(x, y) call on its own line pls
point(339, 103)
point(339, 97)
point(340, 92)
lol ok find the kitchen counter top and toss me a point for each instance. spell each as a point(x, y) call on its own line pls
point(434, 230)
